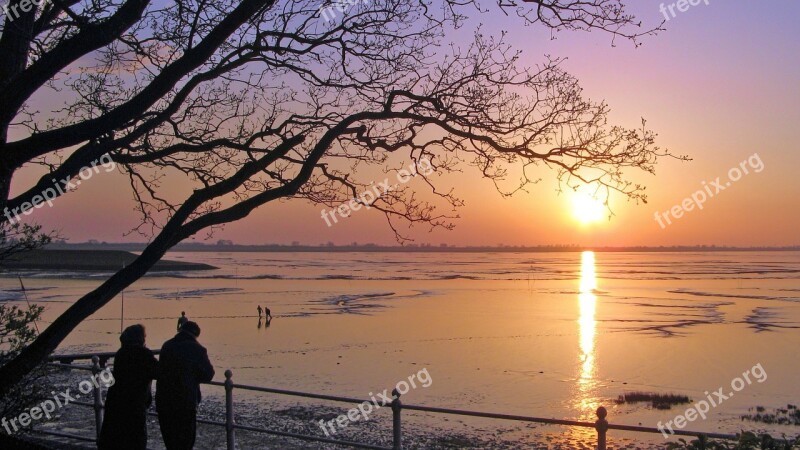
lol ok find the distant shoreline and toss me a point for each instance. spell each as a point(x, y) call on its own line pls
point(371, 248)
point(89, 260)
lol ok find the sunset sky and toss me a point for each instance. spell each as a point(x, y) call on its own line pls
point(722, 83)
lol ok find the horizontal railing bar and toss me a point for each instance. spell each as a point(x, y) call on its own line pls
point(333, 398)
point(460, 412)
point(421, 408)
point(571, 423)
point(101, 355)
point(79, 403)
point(263, 430)
point(309, 438)
point(64, 435)
point(69, 366)
point(639, 429)
point(74, 356)
point(205, 421)
point(564, 422)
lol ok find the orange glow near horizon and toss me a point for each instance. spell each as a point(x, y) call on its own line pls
point(729, 97)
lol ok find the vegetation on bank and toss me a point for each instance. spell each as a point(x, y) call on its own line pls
point(94, 260)
point(657, 401)
point(747, 441)
point(781, 416)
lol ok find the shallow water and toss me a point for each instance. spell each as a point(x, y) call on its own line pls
point(547, 334)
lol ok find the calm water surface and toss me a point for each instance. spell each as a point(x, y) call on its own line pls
point(547, 334)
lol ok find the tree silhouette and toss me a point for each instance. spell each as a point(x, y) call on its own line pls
point(252, 101)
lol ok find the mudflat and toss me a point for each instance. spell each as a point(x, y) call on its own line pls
point(94, 260)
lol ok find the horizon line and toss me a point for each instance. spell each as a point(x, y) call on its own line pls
point(371, 247)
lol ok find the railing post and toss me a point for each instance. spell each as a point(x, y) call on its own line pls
point(397, 432)
point(229, 410)
point(601, 425)
point(98, 397)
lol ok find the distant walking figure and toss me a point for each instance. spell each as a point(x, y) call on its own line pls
point(268, 313)
point(259, 311)
point(182, 320)
point(184, 365)
point(125, 420)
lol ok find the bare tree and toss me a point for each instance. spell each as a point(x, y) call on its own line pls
point(252, 101)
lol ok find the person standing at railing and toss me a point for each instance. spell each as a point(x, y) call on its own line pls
point(125, 420)
point(184, 364)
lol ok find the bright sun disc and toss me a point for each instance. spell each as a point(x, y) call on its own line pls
point(587, 208)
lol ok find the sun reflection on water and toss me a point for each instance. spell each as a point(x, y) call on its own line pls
point(587, 301)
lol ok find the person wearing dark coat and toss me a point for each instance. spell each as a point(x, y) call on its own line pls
point(184, 365)
point(125, 419)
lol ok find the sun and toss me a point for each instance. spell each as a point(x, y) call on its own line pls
point(587, 208)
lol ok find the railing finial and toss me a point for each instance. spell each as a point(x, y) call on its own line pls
point(397, 431)
point(601, 425)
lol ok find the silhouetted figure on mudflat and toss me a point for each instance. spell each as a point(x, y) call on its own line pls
point(182, 320)
point(259, 311)
point(267, 313)
point(125, 419)
point(184, 365)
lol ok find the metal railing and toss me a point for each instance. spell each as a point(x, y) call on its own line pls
point(601, 425)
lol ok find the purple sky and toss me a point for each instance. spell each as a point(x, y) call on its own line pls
point(720, 85)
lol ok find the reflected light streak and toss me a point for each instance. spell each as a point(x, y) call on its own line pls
point(587, 301)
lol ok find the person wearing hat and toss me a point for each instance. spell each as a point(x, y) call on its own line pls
point(125, 418)
point(184, 364)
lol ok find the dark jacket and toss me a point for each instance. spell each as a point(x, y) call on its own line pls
point(124, 423)
point(184, 365)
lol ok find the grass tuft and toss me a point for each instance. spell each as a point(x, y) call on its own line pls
point(657, 401)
